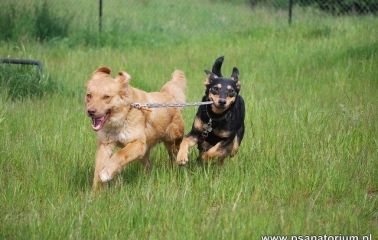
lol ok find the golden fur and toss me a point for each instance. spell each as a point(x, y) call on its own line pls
point(108, 102)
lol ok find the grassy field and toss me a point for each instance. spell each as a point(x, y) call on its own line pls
point(308, 163)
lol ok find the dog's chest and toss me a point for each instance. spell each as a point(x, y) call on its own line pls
point(121, 134)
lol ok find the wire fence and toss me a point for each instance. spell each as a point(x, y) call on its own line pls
point(150, 21)
point(331, 7)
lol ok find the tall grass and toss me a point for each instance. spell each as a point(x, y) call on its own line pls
point(38, 21)
point(25, 81)
point(308, 163)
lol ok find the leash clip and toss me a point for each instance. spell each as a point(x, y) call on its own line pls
point(207, 128)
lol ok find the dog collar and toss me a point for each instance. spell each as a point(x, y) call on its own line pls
point(216, 119)
point(208, 128)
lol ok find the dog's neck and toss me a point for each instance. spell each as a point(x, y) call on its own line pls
point(119, 117)
point(217, 116)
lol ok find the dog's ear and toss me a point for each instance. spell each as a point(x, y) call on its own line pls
point(210, 77)
point(103, 69)
point(217, 66)
point(123, 78)
point(235, 74)
point(235, 77)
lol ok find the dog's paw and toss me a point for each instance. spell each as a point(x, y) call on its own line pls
point(205, 156)
point(105, 176)
point(182, 159)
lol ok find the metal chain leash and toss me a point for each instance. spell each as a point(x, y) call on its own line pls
point(168, 105)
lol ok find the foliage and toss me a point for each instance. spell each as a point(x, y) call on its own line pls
point(25, 81)
point(48, 25)
point(19, 21)
point(344, 6)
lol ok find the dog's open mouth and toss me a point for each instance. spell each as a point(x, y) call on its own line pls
point(99, 122)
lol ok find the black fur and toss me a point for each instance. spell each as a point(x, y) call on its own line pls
point(231, 120)
point(217, 66)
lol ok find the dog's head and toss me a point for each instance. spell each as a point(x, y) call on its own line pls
point(105, 96)
point(221, 90)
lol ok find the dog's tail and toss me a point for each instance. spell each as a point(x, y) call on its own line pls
point(176, 86)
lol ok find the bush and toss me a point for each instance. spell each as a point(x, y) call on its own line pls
point(280, 4)
point(338, 7)
point(24, 81)
point(47, 25)
point(7, 21)
point(17, 21)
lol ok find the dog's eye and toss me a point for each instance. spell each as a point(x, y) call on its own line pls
point(231, 93)
point(214, 89)
point(106, 97)
point(89, 96)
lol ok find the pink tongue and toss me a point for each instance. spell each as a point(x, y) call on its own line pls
point(97, 122)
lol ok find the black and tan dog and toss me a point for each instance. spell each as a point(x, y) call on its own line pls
point(217, 129)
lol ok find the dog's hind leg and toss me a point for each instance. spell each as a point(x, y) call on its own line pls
point(173, 148)
point(147, 162)
point(175, 130)
point(174, 134)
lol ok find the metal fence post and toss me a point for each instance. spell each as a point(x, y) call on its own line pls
point(24, 62)
point(290, 10)
point(100, 17)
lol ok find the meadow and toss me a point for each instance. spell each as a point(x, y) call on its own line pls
point(308, 164)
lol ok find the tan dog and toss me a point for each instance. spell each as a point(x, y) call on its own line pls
point(108, 102)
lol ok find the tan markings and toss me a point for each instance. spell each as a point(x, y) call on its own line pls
point(235, 146)
point(229, 101)
point(207, 81)
point(205, 146)
point(215, 99)
point(219, 85)
point(222, 133)
point(186, 144)
point(214, 152)
point(217, 110)
point(198, 124)
point(229, 87)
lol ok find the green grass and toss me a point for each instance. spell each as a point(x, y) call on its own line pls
point(308, 163)
point(21, 81)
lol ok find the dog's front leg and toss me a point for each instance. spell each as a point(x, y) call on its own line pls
point(132, 151)
point(186, 144)
point(217, 151)
point(104, 151)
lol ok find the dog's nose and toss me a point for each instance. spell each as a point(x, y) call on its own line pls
point(222, 101)
point(91, 112)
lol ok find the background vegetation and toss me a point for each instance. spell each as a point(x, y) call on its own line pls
point(308, 164)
